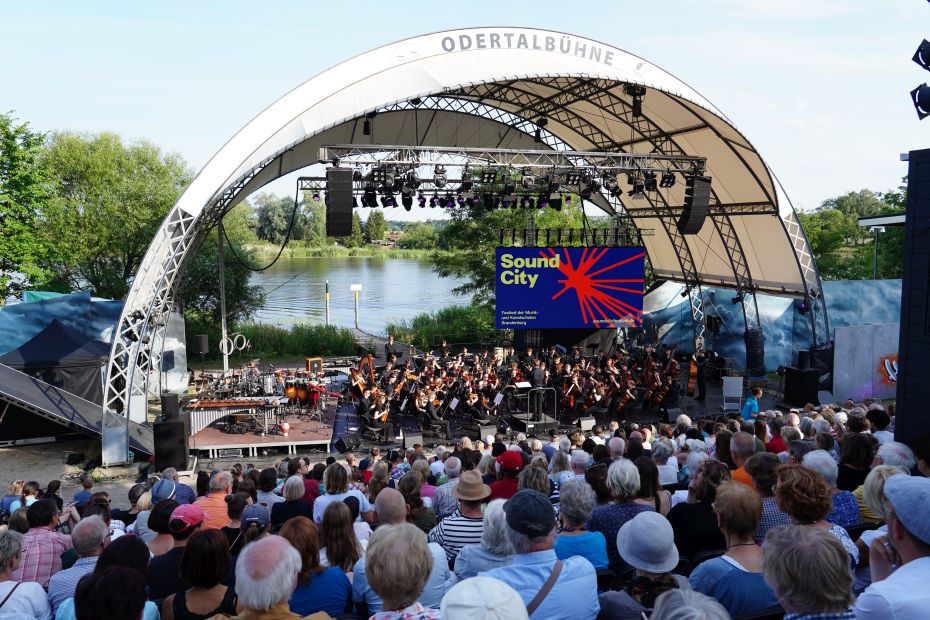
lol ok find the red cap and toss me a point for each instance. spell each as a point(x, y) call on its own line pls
point(510, 461)
point(190, 515)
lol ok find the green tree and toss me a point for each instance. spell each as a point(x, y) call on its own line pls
point(419, 236)
point(110, 198)
point(357, 238)
point(315, 218)
point(273, 218)
point(375, 226)
point(24, 189)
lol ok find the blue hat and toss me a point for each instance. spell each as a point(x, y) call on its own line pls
point(255, 513)
point(910, 496)
point(163, 489)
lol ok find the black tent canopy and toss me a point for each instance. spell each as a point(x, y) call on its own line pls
point(64, 358)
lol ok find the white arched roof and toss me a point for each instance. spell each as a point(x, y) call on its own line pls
point(484, 87)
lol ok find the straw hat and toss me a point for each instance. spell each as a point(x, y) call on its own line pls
point(470, 487)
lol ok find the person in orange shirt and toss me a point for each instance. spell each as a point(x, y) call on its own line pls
point(742, 446)
point(214, 504)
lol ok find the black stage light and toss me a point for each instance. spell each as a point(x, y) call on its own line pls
point(920, 97)
point(316, 196)
point(638, 189)
point(466, 181)
point(668, 179)
point(354, 202)
point(439, 176)
point(407, 201)
point(573, 177)
point(388, 201)
point(488, 200)
point(685, 292)
point(489, 177)
point(434, 201)
point(528, 181)
point(543, 202)
point(450, 200)
point(649, 181)
point(379, 176)
point(509, 201)
point(738, 298)
point(510, 186)
point(804, 307)
point(922, 55)
point(369, 196)
point(524, 202)
point(421, 199)
point(637, 92)
point(540, 123)
point(366, 127)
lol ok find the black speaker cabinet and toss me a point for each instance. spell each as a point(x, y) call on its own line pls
point(170, 406)
point(201, 344)
point(804, 359)
point(338, 202)
point(586, 424)
point(348, 444)
point(171, 445)
point(697, 197)
point(672, 414)
point(801, 386)
point(412, 439)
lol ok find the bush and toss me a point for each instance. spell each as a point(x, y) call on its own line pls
point(301, 340)
point(466, 325)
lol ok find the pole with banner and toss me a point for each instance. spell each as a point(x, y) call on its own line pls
point(355, 288)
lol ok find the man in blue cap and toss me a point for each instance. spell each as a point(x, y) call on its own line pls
point(900, 560)
point(550, 588)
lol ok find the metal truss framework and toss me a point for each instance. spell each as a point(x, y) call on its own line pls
point(132, 354)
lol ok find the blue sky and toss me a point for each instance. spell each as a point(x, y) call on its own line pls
point(819, 86)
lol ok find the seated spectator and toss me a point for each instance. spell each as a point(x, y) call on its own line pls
point(293, 505)
point(87, 489)
point(650, 493)
point(88, 537)
point(486, 467)
point(398, 565)
point(13, 493)
point(623, 481)
point(596, 477)
point(464, 526)
point(42, 546)
point(161, 541)
point(267, 482)
point(680, 604)
point(662, 453)
point(162, 490)
point(537, 478)
point(761, 468)
point(856, 455)
point(318, 588)
point(845, 511)
point(900, 560)
point(390, 509)
point(493, 551)
point(572, 583)
point(560, 468)
point(645, 542)
point(417, 513)
point(255, 523)
point(128, 517)
point(233, 531)
point(128, 553)
point(266, 577)
point(694, 522)
point(511, 464)
point(20, 600)
point(30, 495)
point(336, 483)
point(735, 579)
point(380, 479)
point(99, 505)
point(339, 546)
point(204, 564)
point(184, 494)
point(793, 555)
point(482, 598)
point(742, 446)
point(577, 502)
point(301, 467)
point(804, 496)
point(421, 466)
point(96, 598)
point(164, 570)
point(214, 504)
point(19, 521)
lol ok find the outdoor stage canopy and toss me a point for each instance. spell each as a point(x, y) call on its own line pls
point(491, 88)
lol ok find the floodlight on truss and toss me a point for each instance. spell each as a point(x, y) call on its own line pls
point(668, 180)
point(489, 176)
point(439, 176)
point(649, 181)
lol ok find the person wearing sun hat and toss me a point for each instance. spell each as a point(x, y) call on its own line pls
point(549, 587)
point(900, 560)
point(164, 570)
point(510, 464)
point(465, 525)
point(482, 598)
point(647, 543)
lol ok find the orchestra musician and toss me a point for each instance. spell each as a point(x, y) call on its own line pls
point(372, 411)
point(700, 361)
point(391, 350)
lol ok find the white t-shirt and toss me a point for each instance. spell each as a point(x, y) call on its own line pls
point(320, 504)
point(29, 601)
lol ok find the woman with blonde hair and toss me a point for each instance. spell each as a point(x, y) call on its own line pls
point(13, 493)
point(339, 545)
point(380, 478)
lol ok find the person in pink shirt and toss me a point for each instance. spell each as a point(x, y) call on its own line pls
point(42, 546)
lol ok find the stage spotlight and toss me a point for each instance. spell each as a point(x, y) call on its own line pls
point(738, 299)
point(370, 196)
point(555, 201)
point(612, 187)
point(510, 186)
point(668, 179)
point(354, 202)
point(528, 181)
point(590, 189)
point(379, 175)
point(466, 181)
point(421, 199)
point(388, 201)
point(450, 200)
point(488, 200)
point(637, 92)
point(489, 177)
point(920, 97)
point(316, 196)
point(509, 201)
point(524, 202)
point(541, 122)
point(649, 181)
point(543, 202)
point(804, 307)
point(685, 292)
point(366, 126)
point(439, 176)
point(407, 201)
point(638, 189)
point(574, 177)
point(922, 55)
point(434, 201)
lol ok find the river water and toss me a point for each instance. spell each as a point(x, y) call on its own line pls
point(393, 289)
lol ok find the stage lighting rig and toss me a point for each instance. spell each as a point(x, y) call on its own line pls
point(637, 92)
point(541, 122)
point(439, 176)
point(489, 177)
point(920, 96)
point(668, 180)
point(528, 181)
point(466, 181)
point(612, 186)
point(366, 126)
point(369, 196)
point(591, 188)
point(649, 181)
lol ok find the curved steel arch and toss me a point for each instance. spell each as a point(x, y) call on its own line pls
point(467, 62)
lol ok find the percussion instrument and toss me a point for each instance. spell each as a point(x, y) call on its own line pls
point(268, 385)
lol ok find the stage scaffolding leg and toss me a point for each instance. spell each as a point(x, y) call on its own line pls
point(222, 270)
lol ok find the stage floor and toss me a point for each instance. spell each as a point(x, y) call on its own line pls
point(303, 433)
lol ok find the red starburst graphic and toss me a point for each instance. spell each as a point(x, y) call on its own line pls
point(593, 300)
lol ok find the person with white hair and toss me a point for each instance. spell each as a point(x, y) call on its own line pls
point(293, 505)
point(680, 604)
point(565, 445)
point(623, 482)
point(580, 461)
point(845, 511)
point(662, 452)
point(444, 499)
point(493, 551)
point(616, 446)
point(214, 504)
point(90, 536)
point(266, 576)
point(20, 599)
point(577, 501)
point(183, 493)
point(896, 454)
point(398, 566)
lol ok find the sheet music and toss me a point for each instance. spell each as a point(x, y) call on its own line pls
point(498, 398)
point(454, 404)
point(403, 405)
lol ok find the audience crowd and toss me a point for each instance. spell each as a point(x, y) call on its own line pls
point(817, 514)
